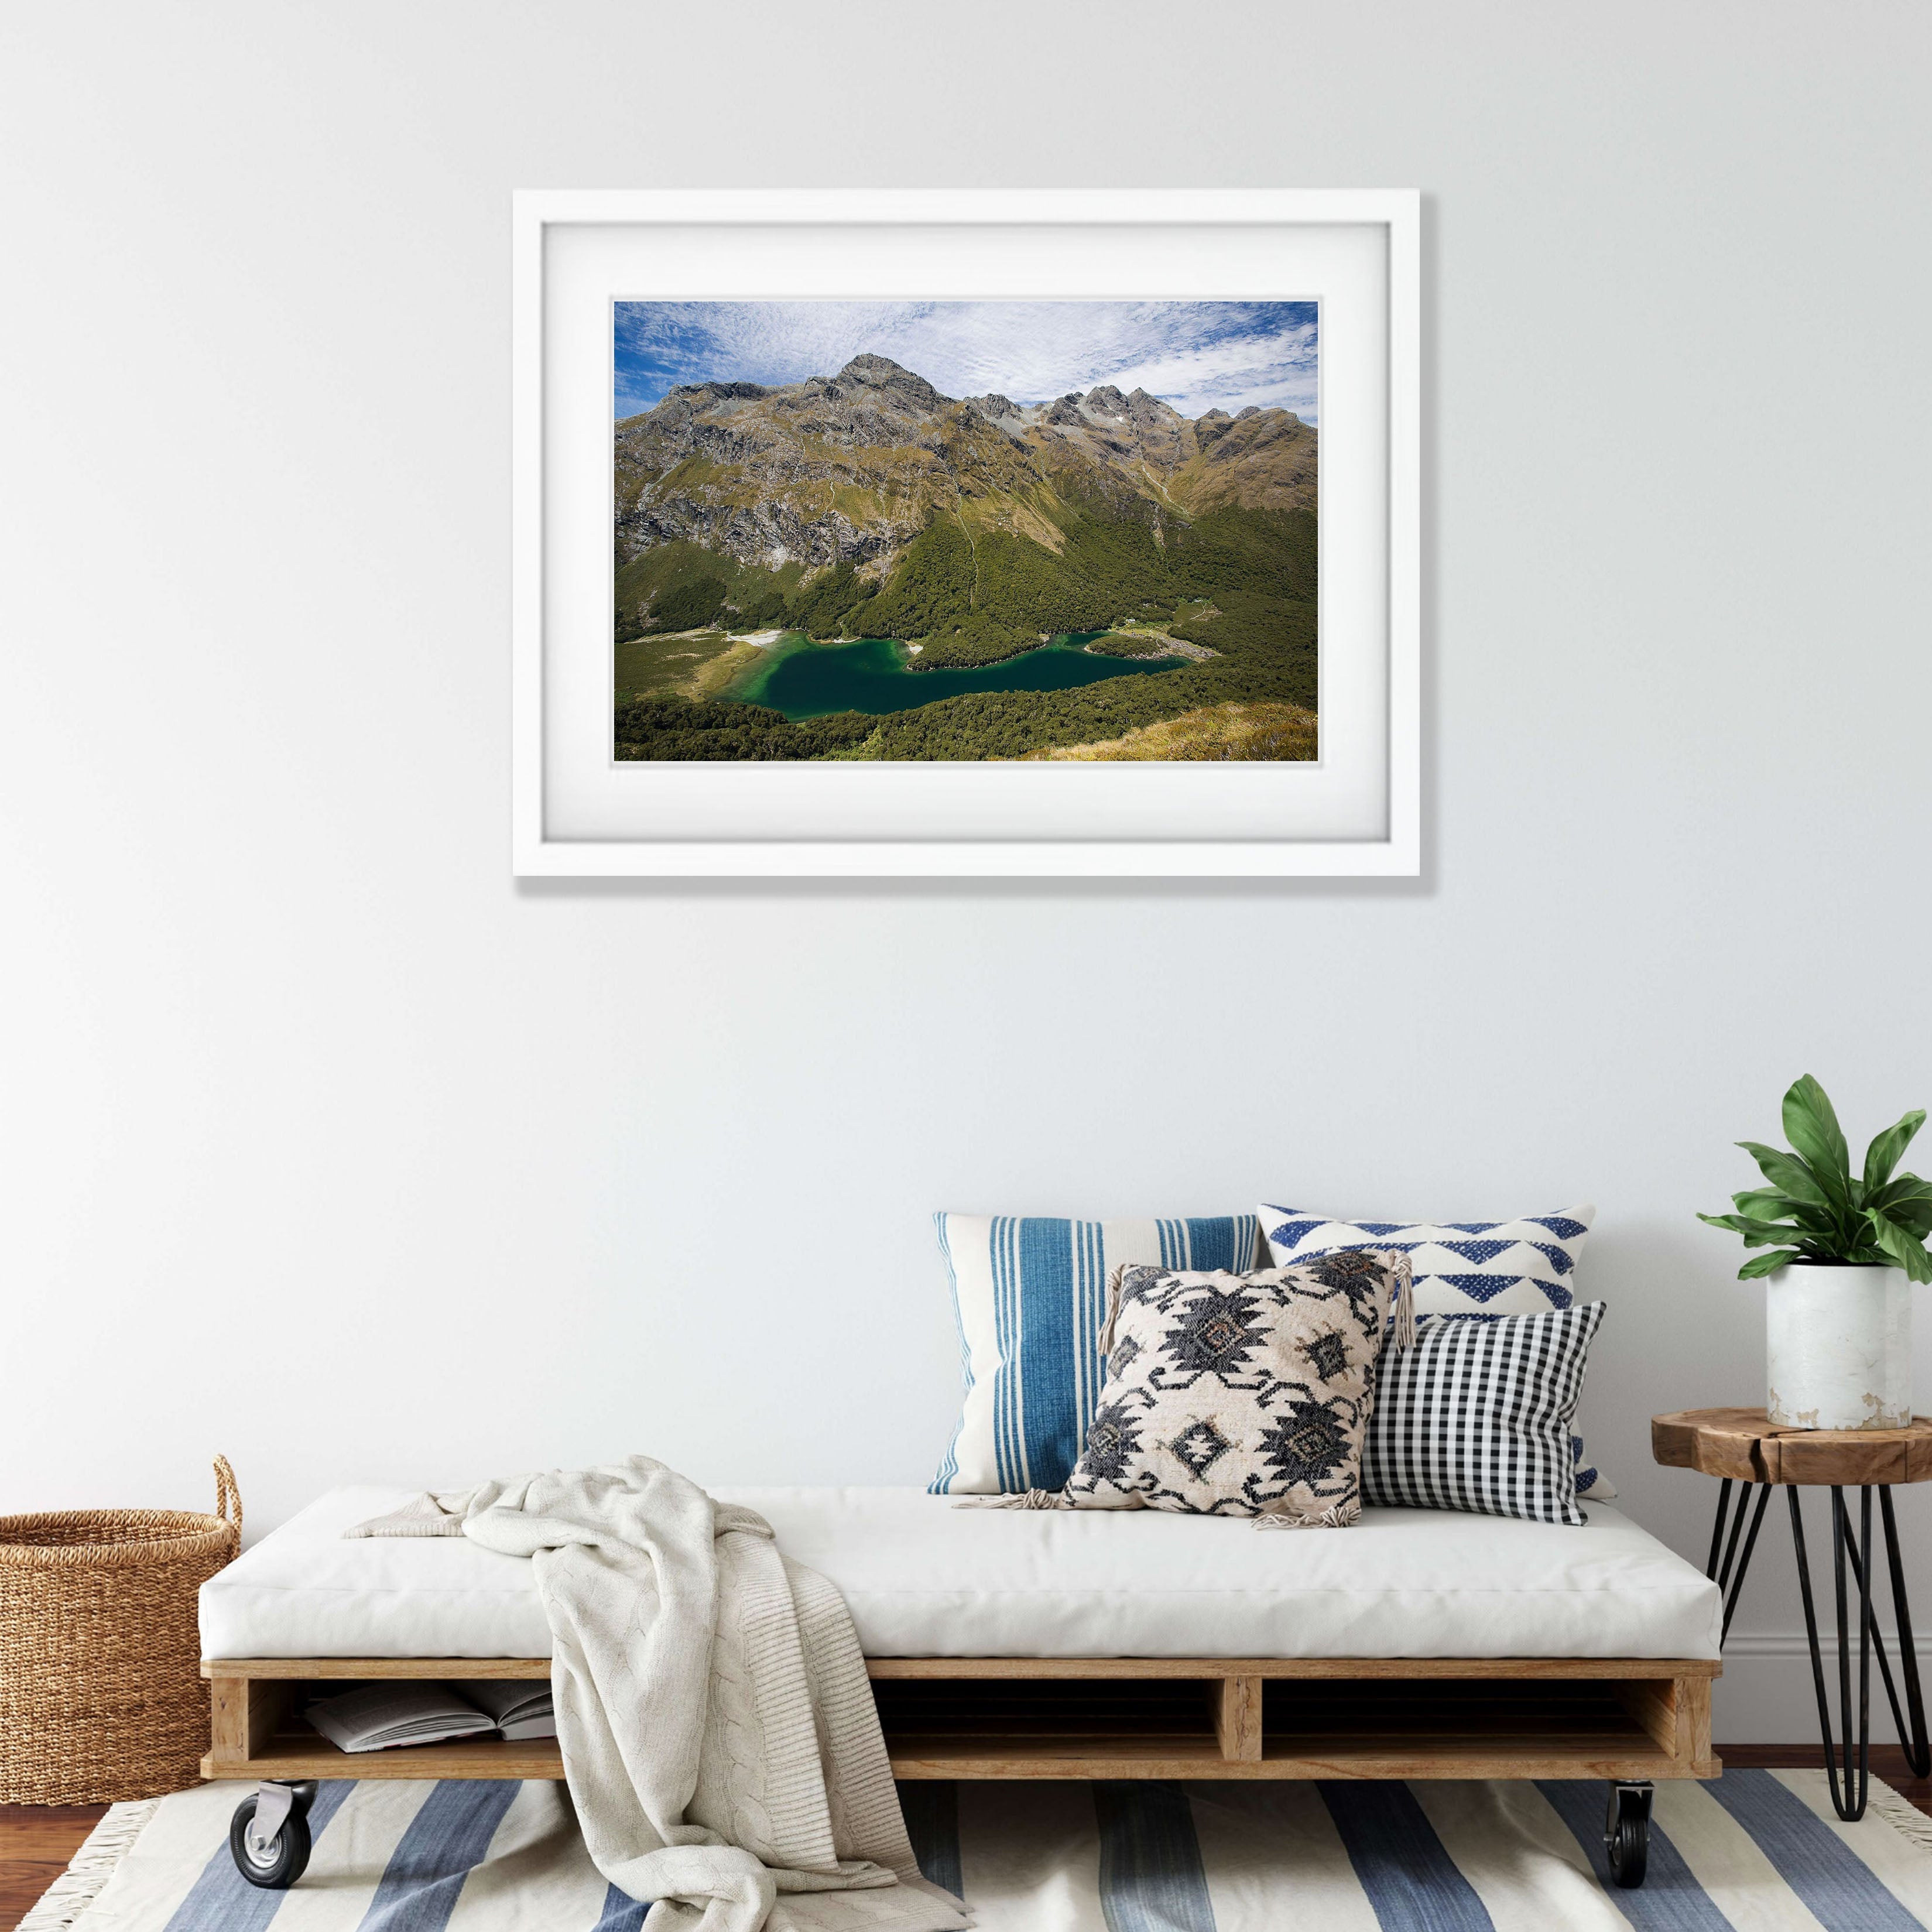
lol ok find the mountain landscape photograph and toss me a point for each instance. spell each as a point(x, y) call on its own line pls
point(1081, 530)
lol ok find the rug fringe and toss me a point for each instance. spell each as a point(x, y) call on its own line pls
point(91, 1867)
point(1900, 1814)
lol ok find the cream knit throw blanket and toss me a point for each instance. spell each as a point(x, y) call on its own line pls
point(718, 1729)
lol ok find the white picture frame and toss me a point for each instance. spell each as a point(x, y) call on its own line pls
point(571, 818)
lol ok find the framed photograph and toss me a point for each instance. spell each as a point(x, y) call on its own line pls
point(967, 533)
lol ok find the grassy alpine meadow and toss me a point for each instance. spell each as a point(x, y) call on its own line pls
point(680, 663)
point(859, 564)
point(1217, 731)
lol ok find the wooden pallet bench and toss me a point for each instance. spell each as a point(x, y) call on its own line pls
point(1627, 1719)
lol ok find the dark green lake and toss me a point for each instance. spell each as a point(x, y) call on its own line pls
point(808, 680)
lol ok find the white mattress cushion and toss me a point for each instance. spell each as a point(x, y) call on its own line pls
point(925, 1578)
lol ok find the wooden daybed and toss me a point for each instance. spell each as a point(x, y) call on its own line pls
point(911, 1567)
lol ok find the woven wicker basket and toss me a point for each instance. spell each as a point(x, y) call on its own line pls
point(101, 1697)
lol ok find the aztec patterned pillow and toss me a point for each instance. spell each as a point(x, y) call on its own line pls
point(1030, 1294)
point(1475, 1415)
point(1241, 1395)
point(1525, 1266)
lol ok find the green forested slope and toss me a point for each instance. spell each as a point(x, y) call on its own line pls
point(683, 586)
point(1255, 569)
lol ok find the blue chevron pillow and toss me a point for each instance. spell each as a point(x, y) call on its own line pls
point(1479, 1269)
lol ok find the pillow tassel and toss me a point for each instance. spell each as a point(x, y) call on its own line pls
point(1405, 1311)
point(1026, 1499)
point(1336, 1516)
point(1106, 1342)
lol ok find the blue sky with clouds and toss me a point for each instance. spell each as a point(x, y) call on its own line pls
point(1196, 356)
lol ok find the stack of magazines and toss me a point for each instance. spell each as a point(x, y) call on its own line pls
point(379, 1716)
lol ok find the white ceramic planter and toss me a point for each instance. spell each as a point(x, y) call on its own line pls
point(1838, 1347)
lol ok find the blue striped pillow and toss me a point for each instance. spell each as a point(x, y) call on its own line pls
point(1030, 1294)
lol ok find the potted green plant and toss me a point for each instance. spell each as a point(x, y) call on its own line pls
point(1842, 1251)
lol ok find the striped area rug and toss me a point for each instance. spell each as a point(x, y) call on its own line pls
point(1757, 1852)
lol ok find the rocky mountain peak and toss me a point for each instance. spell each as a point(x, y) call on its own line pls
point(847, 468)
point(1152, 416)
point(881, 372)
point(718, 391)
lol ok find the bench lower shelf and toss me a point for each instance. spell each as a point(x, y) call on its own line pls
point(1110, 1717)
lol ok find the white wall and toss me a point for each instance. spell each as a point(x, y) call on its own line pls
point(324, 1143)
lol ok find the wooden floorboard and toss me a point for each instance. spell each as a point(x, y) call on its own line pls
point(37, 1840)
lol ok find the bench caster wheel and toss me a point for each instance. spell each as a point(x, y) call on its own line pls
point(268, 1837)
point(1627, 1833)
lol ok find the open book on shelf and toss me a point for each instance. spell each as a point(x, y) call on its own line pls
point(521, 1708)
point(380, 1716)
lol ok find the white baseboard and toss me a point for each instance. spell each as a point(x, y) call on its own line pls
point(1736, 1648)
point(1766, 1697)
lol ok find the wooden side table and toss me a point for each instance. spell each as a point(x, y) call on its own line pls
point(1742, 1445)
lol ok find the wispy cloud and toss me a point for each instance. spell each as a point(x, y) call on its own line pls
point(1195, 355)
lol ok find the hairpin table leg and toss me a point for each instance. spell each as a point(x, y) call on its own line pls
point(1918, 1752)
point(1848, 1798)
point(1729, 1575)
point(1718, 1528)
point(1909, 1721)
